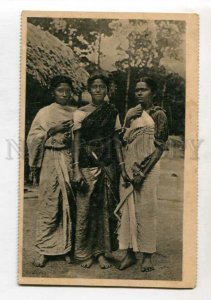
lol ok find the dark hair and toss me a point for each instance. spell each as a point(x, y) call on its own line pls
point(151, 83)
point(95, 76)
point(56, 80)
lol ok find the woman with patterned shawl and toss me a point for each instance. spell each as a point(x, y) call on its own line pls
point(146, 132)
point(96, 148)
point(49, 144)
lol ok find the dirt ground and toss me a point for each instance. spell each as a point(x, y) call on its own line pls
point(167, 260)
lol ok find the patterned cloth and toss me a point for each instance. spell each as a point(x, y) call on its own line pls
point(97, 126)
point(137, 228)
point(54, 226)
point(95, 220)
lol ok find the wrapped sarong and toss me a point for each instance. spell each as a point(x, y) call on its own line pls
point(55, 214)
point(54, 219)
point(138, 214)
point(95, 221)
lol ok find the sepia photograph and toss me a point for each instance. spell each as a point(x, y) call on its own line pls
point(108, 139)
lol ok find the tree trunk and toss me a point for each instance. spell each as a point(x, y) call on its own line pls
point(128, 73)
point(163, 94)
point(99, 50)
point(127, 89)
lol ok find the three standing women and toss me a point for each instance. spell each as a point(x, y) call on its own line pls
point(96, 148)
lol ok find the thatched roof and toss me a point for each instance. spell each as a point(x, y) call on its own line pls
point(48, 56)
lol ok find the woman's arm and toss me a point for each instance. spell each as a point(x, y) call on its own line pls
point(161, 136)
point(156, 155)
point(36, 140)
point(76, 148)
point(65, 126)
point(132, 114)
point(76, 151)
point(118, 148)
point(142, 174)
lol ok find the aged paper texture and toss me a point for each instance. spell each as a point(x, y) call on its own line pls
point(108, 149)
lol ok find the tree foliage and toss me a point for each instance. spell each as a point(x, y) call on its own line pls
point(154, 47)
point(148, 42)
point(82, 35)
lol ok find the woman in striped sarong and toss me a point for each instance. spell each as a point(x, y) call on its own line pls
point(146, 132)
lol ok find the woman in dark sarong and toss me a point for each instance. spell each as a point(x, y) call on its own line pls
point(49, 144)
point(96, 147)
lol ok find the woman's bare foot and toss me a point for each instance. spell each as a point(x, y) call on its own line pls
point(128, 260)
point(87, 263)
point(68, 259)
point(40, 261)
point(147, 265)
point(104, 264)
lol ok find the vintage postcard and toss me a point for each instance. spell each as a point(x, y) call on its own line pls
point(108, 149)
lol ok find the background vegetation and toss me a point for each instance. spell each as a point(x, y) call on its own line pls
point(124, 49)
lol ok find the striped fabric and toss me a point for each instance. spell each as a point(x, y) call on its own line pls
point(137, 228)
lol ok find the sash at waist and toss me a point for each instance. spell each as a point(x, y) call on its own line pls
point(95, 152)
point(58, 148)
point(129, 137)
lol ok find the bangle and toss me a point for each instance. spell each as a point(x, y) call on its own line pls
point(142, 174)
point(76, 163)
point(121, 163)
point(139, 173)
point(49, 134)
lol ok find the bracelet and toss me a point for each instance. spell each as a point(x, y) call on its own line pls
point(76, 163)
point(49, 134)
point(139, 173)
point(142, 174)
point(122, 163)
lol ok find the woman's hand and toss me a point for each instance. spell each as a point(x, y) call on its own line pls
point(77, 176)
point(67, 136)
point(125, 178)
point(63, 127)
point(138, 181)
point(134, 112)
point(34, 175)
point(79, 181)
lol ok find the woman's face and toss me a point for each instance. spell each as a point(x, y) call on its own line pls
point(143, 94)
point(62, 93)
point(98, 91)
